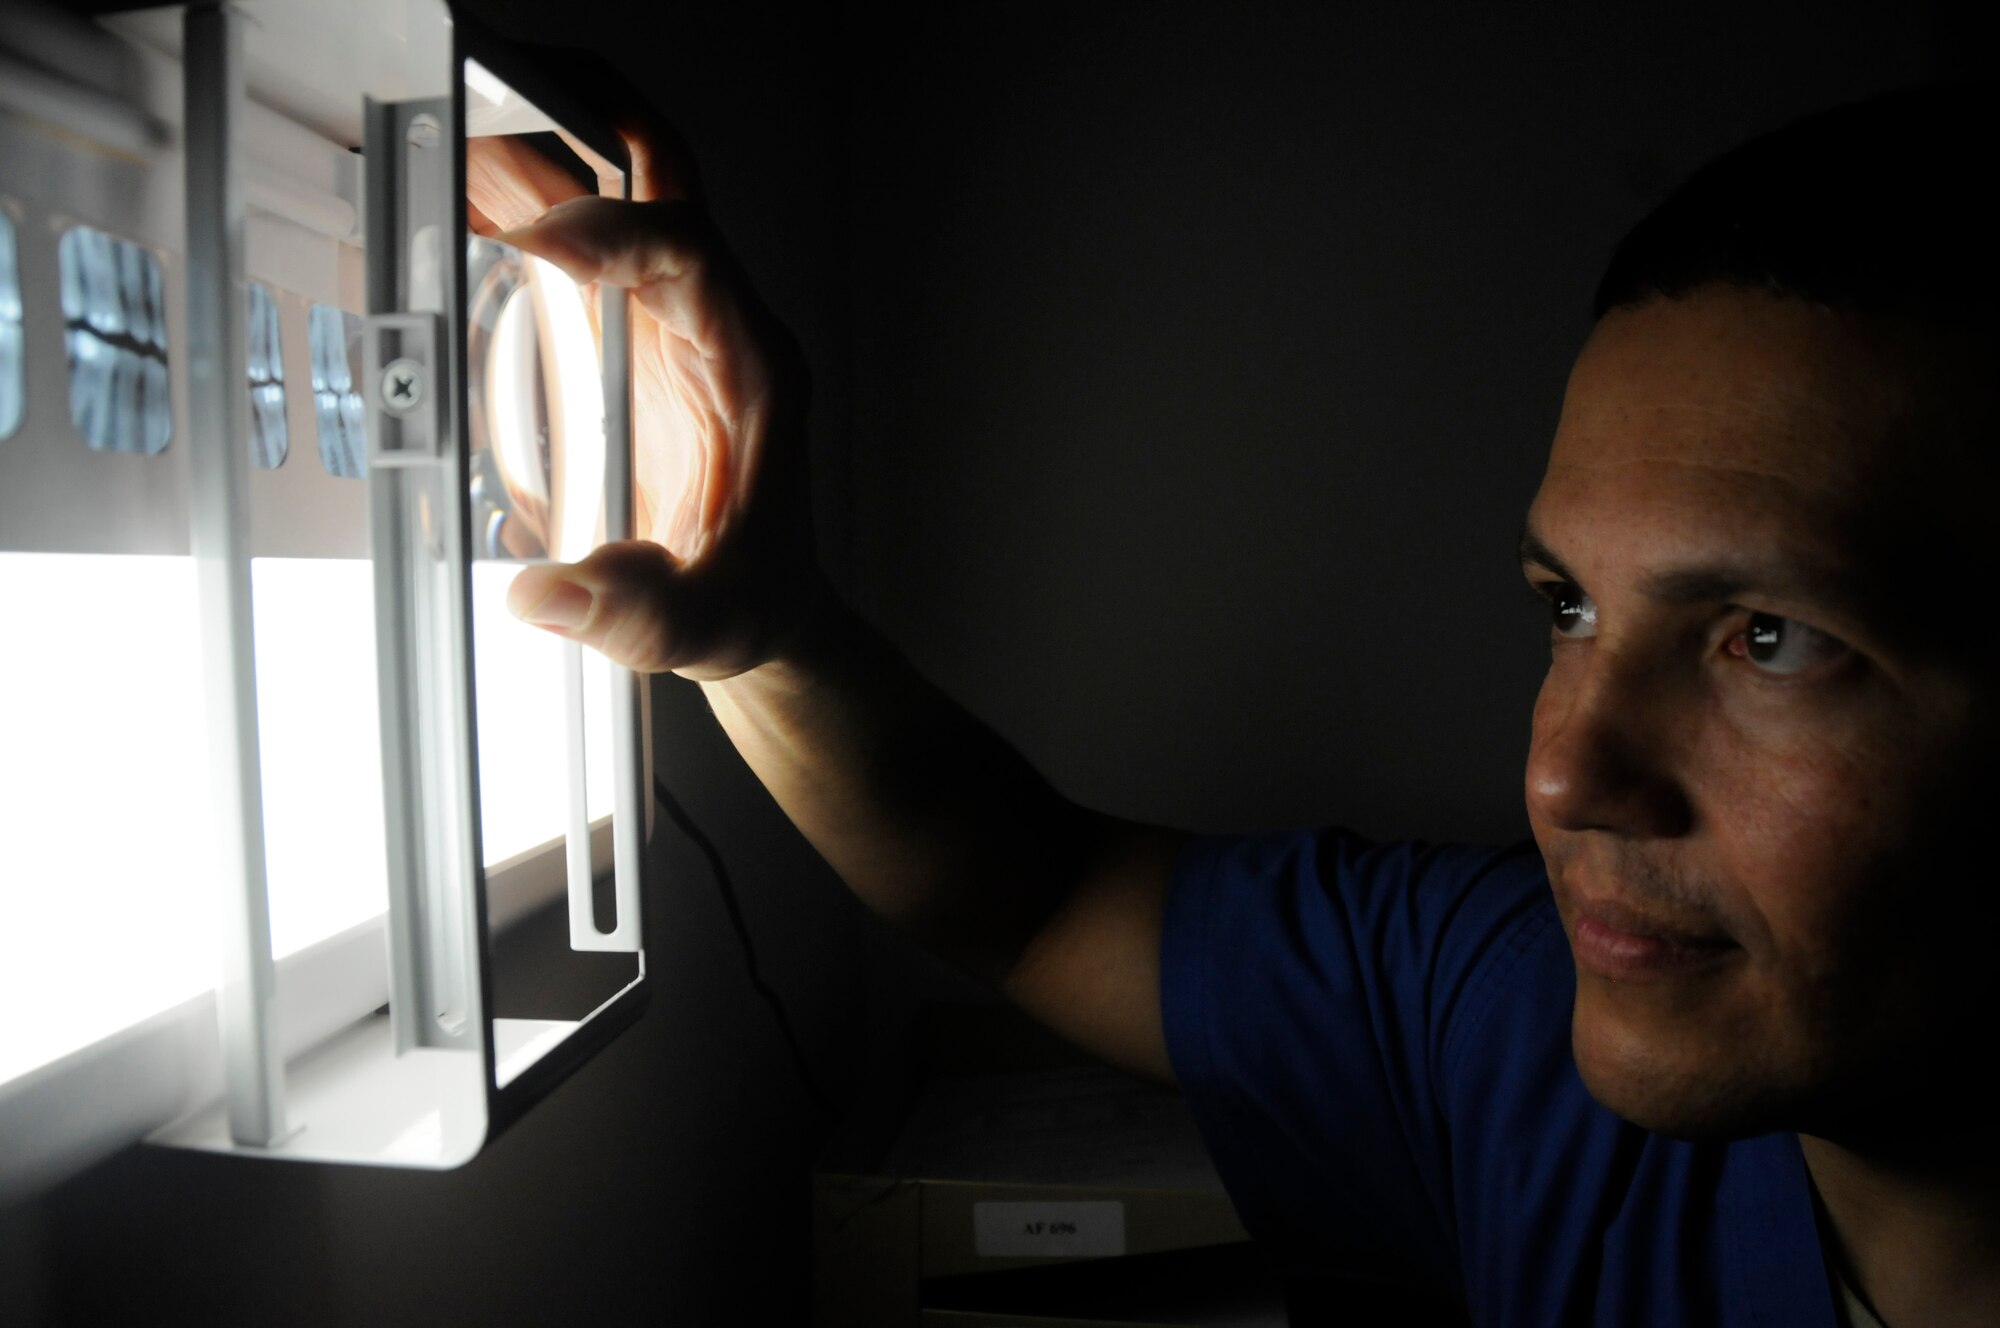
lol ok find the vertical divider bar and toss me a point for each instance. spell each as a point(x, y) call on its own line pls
point(583, 930)
point(632, 794)
point(219, 450)
point(628, 814)
point(417, 500)
point(403, 786)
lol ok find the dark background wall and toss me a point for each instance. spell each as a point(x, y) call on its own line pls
point(1206, 356)
point(1182, 371)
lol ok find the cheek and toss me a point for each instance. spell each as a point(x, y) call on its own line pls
point(1803, 825)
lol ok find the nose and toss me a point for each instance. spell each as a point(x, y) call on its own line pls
point(1601, 757)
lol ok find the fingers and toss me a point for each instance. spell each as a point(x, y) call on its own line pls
point(662, 166)
point(604, 239)
point(509, 184)
point(663, 169)
point(665, 253)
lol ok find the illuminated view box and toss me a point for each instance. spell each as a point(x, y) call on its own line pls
point(276, 434)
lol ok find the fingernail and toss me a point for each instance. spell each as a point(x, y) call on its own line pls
point(563, 609)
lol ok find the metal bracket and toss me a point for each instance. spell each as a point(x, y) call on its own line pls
point(401, 369)
point(416, 502)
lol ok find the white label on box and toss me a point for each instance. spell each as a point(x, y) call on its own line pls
point(1080, 1229)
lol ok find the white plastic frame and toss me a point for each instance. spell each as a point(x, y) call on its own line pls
point(301, 1076)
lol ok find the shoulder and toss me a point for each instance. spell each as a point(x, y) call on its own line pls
point(1374, 1039)
point(1436, 924)
point(1311, 984)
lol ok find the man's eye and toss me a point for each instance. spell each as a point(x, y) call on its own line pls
point(1575, 613)
point(1781, 646)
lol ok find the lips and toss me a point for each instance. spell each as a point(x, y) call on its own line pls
point(1621, 943)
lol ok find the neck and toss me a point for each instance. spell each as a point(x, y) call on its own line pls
point(1916, 1231)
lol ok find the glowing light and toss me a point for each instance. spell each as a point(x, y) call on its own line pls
point(514, 391)
point(523, 770)
point(319, 739)
point(106, 907)
point(576, 400)
point(538, 387)
point(103, 801)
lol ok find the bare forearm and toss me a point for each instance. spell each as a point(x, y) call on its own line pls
point(926, 814)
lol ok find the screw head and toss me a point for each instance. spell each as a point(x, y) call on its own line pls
point(403, 386)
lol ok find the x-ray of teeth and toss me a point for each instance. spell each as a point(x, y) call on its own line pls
point(114, 306)
point(268, 439)
point(13, 388)
point(90, 282)
point(137, 280)
point(123, 415)
point(334, 338)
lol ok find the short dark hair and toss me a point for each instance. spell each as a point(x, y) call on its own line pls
point(1877, 206)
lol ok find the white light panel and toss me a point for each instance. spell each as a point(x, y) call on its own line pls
point(106, 911)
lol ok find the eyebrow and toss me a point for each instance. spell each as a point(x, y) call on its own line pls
point(1535, 550)
point(1704, 584)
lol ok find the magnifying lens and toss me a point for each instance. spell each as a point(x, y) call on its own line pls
point(535, 396)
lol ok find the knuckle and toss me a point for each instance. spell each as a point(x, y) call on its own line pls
point(684, 233)
point(644, 643)
point(634, 617)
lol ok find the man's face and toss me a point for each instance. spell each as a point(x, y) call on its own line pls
point(1764, 721)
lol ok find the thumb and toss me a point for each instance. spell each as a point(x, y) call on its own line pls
point(627, 600)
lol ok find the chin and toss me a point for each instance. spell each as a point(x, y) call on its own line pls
point(1690, 1086)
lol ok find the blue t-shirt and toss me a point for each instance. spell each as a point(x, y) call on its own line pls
point(1375, 1042)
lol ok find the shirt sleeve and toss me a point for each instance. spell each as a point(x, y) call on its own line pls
point(1313, 987)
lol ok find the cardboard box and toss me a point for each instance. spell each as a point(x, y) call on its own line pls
point(1002, 1172)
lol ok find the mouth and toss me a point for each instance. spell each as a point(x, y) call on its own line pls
point(1623, 944)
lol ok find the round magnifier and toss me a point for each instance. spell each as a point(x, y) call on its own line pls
point(536, 397)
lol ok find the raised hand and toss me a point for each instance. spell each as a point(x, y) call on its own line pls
point(724, 569)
